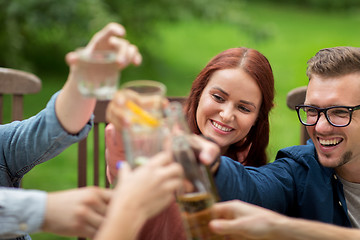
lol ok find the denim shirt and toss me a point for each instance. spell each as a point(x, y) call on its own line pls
point(295, 184)
point(24, 144)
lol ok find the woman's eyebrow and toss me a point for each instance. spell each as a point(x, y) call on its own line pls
point(248, 103)
point(221, 90)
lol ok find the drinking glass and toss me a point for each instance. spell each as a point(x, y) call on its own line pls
point(98, 73)
point(143, 132)
point(199, 193)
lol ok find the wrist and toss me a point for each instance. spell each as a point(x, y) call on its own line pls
point(280, 226)
point(128, 216)
point(214, 166)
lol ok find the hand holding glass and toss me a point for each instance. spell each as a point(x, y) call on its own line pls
point(199, 193)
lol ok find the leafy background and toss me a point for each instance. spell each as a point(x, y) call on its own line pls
point(177, 39)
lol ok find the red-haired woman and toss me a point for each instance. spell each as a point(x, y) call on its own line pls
point(241, 79)
point(229, 102)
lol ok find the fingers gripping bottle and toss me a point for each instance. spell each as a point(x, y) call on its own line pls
point(198, 194)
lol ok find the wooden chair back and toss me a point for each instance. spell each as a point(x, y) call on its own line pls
point(97, 146)
point(16, 83)
point(295, 97)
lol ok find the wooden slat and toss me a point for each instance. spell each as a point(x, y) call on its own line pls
point(17, 107)
point(18, 82)
point(100, 111)
point(1, 108)
point(296, 97)
point(82, 163)
point(304, 136)
point(96, 154)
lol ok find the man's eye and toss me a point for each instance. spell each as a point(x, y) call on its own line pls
point(340, 113)
point(311, 111)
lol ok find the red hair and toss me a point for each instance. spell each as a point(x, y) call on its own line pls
point(258, 67)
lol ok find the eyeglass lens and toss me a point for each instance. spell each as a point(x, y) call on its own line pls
point(338, 116)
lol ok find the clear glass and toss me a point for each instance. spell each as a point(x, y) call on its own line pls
point(97, 73)
point(199, 193)
point(143, 133)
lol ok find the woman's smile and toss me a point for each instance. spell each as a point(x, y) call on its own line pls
point(222, 127)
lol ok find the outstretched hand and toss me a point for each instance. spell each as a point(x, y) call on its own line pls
point(243, 220)
point(111, 37)
point(77, 212)
point(72, 109)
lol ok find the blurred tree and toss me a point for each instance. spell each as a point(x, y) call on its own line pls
point(326, 5)
point(140, 18)
point(140, 15)
point(36, 34)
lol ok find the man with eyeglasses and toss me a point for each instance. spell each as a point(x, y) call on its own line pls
point(320, 180)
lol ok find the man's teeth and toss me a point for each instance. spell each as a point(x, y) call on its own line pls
point(331, 142)
point(222, 128)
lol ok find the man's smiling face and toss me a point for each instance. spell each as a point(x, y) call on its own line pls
point(336, 146)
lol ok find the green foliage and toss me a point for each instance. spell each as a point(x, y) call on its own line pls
point(36, 35)
point(139, 16)
point(318, 4)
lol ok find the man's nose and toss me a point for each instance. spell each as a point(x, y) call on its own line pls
point(323, 124)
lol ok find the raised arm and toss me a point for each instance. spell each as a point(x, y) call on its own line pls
point(72, 109)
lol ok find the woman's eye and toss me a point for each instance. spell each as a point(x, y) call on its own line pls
point(243, 109)
point(217, 98)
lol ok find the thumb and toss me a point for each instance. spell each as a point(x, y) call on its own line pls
point(124, 169)
point(223, 226)
point(71, 58)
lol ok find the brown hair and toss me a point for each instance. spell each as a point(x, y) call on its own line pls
point(332, 62)
point(258, 67)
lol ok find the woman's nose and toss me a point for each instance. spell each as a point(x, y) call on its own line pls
point(227, 114)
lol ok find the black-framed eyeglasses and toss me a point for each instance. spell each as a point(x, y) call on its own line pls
point(337, 116)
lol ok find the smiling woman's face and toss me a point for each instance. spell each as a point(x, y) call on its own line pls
point(228, 107)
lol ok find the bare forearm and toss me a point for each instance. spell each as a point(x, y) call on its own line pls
point(72, 109)
point(299, 229)
point(121, 224)
point(253, 222)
